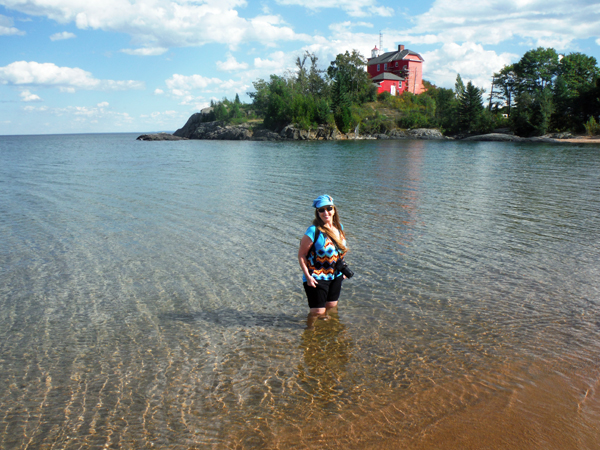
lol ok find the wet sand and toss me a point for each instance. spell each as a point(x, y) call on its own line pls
point(554, 412)
point(555, 407)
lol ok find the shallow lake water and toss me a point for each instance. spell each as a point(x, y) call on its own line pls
point(150, 295)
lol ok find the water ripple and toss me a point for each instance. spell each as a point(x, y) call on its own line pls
point(150, 294)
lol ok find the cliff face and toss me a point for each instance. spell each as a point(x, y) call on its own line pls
point(194, 129)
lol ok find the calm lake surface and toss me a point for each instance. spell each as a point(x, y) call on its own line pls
point(150, 295)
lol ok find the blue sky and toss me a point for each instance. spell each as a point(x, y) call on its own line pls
point(79, 66)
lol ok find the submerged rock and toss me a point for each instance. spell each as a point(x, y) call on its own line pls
point(502, 137)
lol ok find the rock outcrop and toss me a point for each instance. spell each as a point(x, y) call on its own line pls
point(495, 137)
point(425, 133)
point(196, 128)
point(159, 137)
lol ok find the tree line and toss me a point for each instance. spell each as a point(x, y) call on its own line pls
point(543, 92)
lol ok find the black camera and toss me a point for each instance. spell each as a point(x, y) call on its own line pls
point(342, 267)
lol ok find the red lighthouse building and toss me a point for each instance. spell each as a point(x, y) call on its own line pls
point(396, 72)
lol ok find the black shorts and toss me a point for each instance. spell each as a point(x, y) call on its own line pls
point(326, 291)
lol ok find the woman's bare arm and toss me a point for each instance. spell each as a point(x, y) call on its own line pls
point(305, 244)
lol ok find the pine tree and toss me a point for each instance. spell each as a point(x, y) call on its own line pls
point(341, 102)
point(459, 86)
point(470, 108)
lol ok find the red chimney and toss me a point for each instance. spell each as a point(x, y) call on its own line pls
point(400, 48)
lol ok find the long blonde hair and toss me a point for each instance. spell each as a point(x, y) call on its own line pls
point(318, 222)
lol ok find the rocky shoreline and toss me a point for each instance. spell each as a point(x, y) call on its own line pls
point(196, 129)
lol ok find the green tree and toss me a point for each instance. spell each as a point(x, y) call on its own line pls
point(341, 101)
point(357, 82)
point(574, 91)
point(578, 71)
point(459, 86)
point(536, 69)
point(536, 76)
point(235, 111)
point(418, 111)
point(302, 74)
point(506, 82)
point(470, 108)
point(220, 111)
point(260, 97)
point(317, 86)
point(278, 112)
point(446, 105)
point(532, 116)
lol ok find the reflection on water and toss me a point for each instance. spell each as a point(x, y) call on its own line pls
point(150, 295)
point(327, 349)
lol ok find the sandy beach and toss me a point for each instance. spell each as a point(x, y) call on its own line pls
point(583, 140)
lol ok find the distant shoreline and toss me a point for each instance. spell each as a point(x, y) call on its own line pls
point(429, 134)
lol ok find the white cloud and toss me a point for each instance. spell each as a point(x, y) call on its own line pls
point(182, 85)
point(462, 31)
point(343, 39)
point(146, 51)
point(36, 108)
point(67, 79)
point(344, 27)
point(231, 64)
point(196, 103)
point(157, 24)
point(233, 86)
point(7, 29)
point(167, 118)
point(472, 61)
point(158, 91)
point(27, 96)
point(62, 36)
point(269, 64)
point(540, 22)
point(89, 114)
point(276, 63)
point(356, 8)
point(78, 118)
point(155, 114)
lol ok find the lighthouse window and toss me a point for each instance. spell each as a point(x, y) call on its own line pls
point(385, 66)
point(378, 65)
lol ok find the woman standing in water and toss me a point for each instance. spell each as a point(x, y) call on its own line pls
point(321, 259)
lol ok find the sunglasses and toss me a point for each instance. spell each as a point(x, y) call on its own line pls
point(325, 208)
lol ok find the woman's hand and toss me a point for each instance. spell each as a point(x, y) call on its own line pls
point(311, 282)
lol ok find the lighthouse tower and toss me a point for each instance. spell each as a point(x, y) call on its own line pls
point(375, 52)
